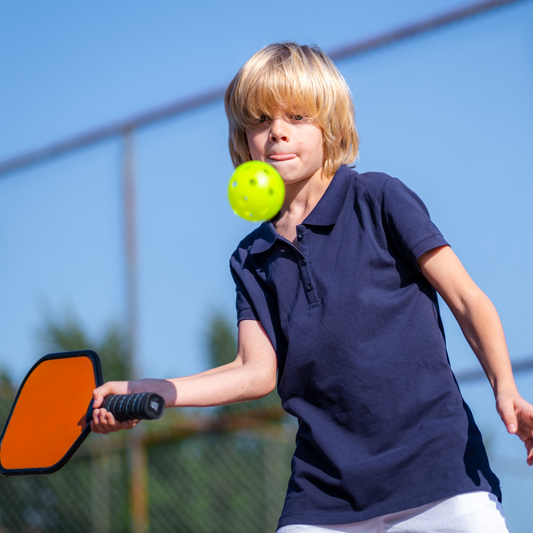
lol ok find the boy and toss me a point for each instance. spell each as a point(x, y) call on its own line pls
point(337, 296)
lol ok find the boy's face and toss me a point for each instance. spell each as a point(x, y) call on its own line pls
point(292, 144)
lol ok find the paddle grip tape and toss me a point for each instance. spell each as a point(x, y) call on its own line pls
point(143, 406)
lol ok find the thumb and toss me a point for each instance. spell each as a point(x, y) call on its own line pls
point(97, 400)
point(99, 394)
point(508, 416)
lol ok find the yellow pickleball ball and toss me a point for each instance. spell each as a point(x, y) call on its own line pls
point(256, 191)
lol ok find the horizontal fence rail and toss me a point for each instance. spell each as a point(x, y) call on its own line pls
point(188, 104)
point(221, 469)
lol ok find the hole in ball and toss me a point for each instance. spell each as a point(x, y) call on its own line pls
point(253, 182)
point(235, 183)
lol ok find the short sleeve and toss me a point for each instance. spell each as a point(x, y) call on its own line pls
point(253, 300)
point(408, 223)
point(245, 309)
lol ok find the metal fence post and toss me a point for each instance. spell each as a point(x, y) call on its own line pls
point(136, 451)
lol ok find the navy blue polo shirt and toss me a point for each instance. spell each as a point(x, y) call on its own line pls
point(361, 355)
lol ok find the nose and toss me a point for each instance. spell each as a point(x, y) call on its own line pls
point(279, 130)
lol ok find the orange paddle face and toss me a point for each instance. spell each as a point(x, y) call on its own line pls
point(48, 423)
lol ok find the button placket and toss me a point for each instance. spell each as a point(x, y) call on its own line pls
point(306, 275)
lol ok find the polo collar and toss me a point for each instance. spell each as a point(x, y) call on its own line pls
point(328, 209)
point(266, 237)
point(325, 213)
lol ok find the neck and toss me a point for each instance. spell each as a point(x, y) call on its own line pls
point(300, 199)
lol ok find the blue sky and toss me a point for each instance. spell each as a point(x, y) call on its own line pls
point(67, 67)
point(450, 113)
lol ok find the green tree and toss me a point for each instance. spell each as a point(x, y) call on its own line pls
point(7, 395)
point(7, 389)
point(103, 477)
point(68, 335)
point(221, 346)
point(221, 341)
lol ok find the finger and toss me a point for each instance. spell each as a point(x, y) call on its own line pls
point(525, 425)
point(101, 392)
point(104, 422)
point(97, 424)
point(96, 428)
point(97, 399)
point(529, 447)
point(508, 416)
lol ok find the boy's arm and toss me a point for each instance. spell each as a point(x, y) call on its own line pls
point(483, 330)
point(251, 376)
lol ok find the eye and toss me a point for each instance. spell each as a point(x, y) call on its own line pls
point(297, 117)
point(262, 118)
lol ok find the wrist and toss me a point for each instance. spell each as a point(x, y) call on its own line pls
point(165, 388)
point(505, 388)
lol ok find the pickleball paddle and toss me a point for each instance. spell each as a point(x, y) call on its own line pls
point(51, 414)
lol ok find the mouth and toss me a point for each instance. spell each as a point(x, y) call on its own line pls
point(281, 157)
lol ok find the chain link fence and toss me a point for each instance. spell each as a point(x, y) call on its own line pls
point(447, 108)
point(206, 474)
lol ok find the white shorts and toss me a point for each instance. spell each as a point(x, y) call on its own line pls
point(473, 512)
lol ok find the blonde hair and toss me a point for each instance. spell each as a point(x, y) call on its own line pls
point(298, 80)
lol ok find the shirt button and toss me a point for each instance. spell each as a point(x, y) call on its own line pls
point(309, 287)
point(300, 236)
point(303, 262)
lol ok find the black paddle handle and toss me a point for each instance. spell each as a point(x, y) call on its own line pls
point(141, 406)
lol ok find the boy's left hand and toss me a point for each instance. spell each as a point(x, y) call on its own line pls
point(483, 330)
point(517, 415)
